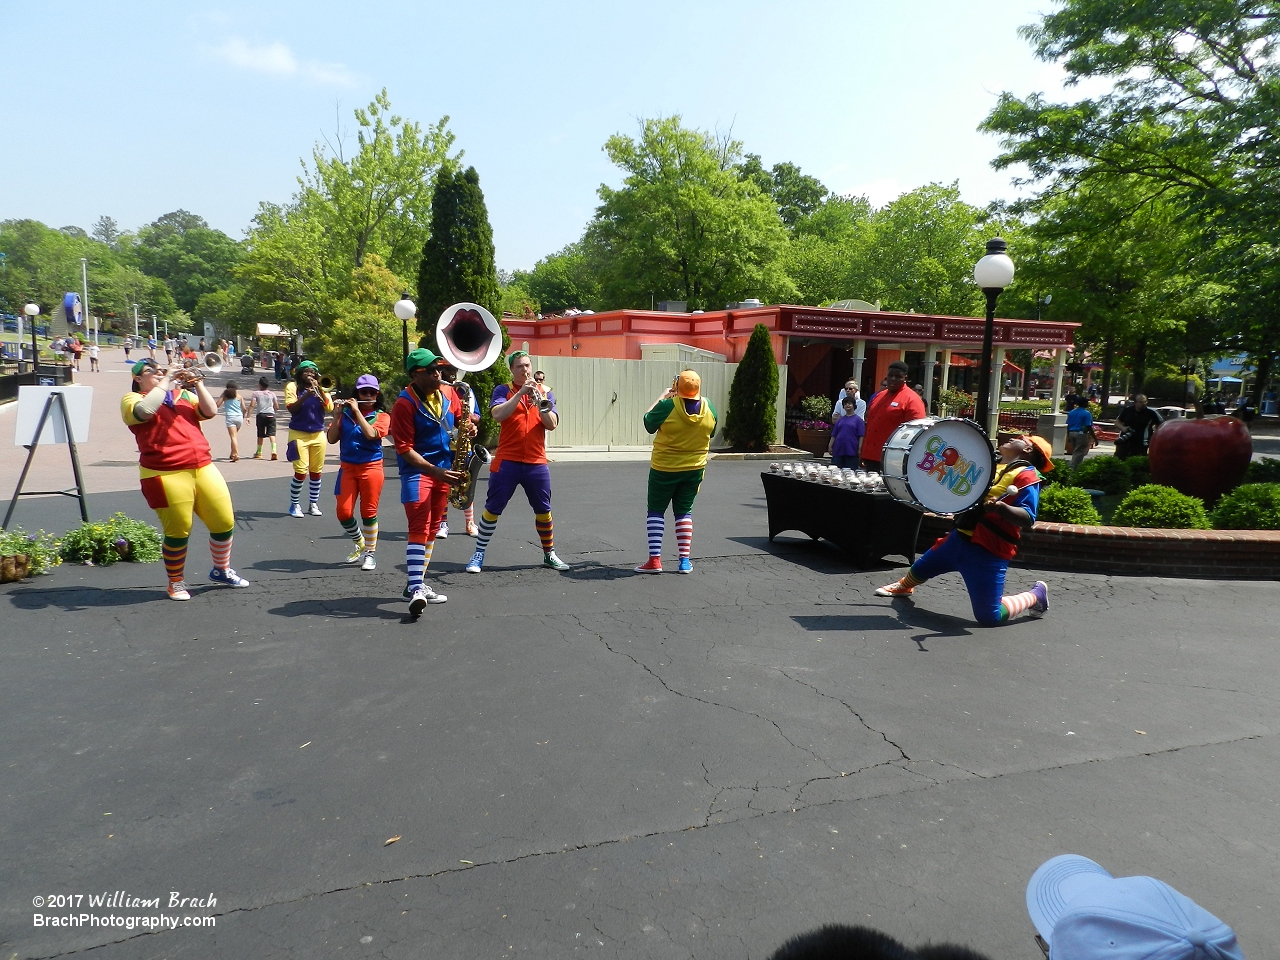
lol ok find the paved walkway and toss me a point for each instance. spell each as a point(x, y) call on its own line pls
point(600, 763)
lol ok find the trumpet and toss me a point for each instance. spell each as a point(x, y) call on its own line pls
point(190, 371)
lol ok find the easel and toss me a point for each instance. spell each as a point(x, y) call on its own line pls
point(78, 490)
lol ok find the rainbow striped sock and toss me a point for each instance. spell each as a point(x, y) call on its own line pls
point(174, 553)
point(220, 550)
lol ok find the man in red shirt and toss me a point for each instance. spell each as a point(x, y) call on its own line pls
point(888, 410)
point(526, 412)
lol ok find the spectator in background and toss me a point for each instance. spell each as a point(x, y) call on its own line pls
point(889, 409)
point(850, 389)
point(128, 346)
point(1139, 422)
point(1079, 430)
point(93, 358)
point(169, 345)
point(846, 436)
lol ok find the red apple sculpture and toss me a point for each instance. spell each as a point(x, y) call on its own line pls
point(1202, 458)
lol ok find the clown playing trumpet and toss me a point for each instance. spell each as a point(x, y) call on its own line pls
point(307, 402)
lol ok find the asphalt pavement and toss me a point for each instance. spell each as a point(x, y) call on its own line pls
point(602, 763)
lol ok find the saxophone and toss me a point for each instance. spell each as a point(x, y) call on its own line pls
point(463, 494)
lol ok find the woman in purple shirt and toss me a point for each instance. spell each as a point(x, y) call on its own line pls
point(846, 437)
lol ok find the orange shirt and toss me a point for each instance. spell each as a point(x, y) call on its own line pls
point(886, 413)
point(523, 437)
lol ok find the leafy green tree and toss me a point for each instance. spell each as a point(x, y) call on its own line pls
point(285, 272)
point(1190, 116)
point(921, 257)
point(378, 200)
point(753, 395)
point(564, 280)
point(458, 266)
point(188, 255)
point(364, 334)
point(106, 230)
point(796, 195)
point(683, 226)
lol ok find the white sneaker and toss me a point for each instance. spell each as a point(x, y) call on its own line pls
point(314, 509)
point(356, 555)
point(443, 532)
point(432, 596)
point(178, 590)
point(369, 563)
point(417, 603)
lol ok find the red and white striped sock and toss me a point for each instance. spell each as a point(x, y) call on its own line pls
point(221, 552)
point(684, 534)
point(1018, 603)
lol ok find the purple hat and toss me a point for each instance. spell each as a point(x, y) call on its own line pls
point(367, 381)
point(1083, 912)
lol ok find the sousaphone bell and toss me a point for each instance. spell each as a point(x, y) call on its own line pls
point(470, 339)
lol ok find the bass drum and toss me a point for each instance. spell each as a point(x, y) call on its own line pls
point(943, 466)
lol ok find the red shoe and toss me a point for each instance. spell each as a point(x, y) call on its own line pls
point(895, 589)
point(652, 565)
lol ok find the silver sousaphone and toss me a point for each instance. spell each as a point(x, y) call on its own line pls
point(469, 339)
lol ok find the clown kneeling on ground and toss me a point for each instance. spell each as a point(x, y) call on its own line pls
point(985, 538)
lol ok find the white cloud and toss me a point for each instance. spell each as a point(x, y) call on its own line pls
point(278, 60)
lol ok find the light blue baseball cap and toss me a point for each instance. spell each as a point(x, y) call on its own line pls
point(1084, 913)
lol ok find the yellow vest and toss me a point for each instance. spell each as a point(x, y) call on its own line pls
point(682, 441)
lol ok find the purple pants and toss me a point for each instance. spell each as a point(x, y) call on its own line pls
point(506, 475)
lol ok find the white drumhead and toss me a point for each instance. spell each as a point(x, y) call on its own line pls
point(949, 466)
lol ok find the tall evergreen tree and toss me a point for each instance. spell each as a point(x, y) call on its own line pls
point(458, 265)
point(753, 396)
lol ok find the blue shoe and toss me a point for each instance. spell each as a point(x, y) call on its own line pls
point(295, 510)
point(1041, 606)
point(686, 565)
point(227, 577)
point(476, 562)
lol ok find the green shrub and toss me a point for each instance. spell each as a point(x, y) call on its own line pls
point(1026, 406)
point(1162, 508)
point(41, 548)
point(1139, 470)
point(1060, 475)
point(816, 408)
point(956, 401)
point(116, 538)
point(1254, 506)
point(1108, 474)
point(1266, 470)
point(1067, 505)
point(751, 421)
point(1171, 385)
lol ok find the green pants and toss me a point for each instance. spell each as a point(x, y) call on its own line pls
point(678, 489)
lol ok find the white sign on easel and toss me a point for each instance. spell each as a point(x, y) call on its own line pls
point(31, 403)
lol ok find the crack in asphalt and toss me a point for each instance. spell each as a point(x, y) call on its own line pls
point(603, 844)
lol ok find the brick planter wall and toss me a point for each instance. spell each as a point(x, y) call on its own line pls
point(1132, 551)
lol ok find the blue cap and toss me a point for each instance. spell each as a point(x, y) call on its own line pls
point(1083, 913)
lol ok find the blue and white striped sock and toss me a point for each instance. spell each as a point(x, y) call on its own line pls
point(488, 523)
point(415, 558)
point(655, 524)
point(314, 488)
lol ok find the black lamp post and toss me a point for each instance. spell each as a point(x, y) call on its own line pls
point(405, 310)
point(32, 311)
point(992, 273)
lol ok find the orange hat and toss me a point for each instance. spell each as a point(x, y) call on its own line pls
point(689, 385)
point(1045, 447)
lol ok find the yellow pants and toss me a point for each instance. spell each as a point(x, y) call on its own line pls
point(176, 494)
point(307, 451)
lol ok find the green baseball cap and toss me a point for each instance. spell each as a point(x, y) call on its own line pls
point(142, 364)
point(422, 357)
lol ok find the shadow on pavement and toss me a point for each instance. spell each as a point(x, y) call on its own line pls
point(292, 565)
point(84, 598)
point(345, 608)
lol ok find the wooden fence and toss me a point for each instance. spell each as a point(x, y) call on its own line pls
point(602, 402)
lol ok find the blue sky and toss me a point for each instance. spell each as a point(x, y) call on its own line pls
point(135, 109)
